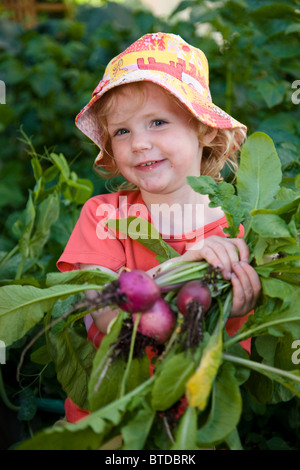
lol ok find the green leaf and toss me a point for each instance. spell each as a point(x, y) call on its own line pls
point(273, 10)
point(276, 351)
point(94, 276)
point(47, 215)
point(182, 6)
point(221, 195)
point(286, 201)
point(38, 222)
point(78, 190)
point(106, 382)
point(136, 431)
point(62, 306)
point(260, 387)
point(289, 379)
point(61, 163)
point(145, 233)
point(270, 226)
point(273, 317)
point(30, 214)
point(41, 355)
point(91, 432)
point(225, 410)
point(293, 28)
point(233, 440)
point(22, 307)
point(272, 92)
point(106, 376)
point(277, 288)
point(170, 382)
point(44, 79)
point(259, 174)
point(284, 47)
point(28, 405)
point(73, 356)
point(186, 436)
point(37, 168)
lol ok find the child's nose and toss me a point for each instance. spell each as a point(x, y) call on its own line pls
point(140, 141)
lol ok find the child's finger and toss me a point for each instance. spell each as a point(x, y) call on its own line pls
point(246, 288)
point(220, 253)
point(246, 285)
point(242, 247)
point(238, 301)
point(252, 278)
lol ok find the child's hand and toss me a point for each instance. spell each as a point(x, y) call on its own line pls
point(231, 255)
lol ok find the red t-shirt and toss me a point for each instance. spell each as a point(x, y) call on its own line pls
point(92, 243)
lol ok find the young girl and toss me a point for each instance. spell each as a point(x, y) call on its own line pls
point(154, 121)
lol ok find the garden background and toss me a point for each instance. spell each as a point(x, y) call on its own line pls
point(49, 70)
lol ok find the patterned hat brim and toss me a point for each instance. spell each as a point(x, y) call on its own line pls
point(203, 109)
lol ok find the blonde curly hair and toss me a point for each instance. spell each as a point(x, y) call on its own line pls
point(222, 150)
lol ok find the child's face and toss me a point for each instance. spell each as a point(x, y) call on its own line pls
point(158, 133)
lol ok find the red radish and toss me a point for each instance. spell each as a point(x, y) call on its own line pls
point(158, 322)
point(193, 291)
point(137, 291)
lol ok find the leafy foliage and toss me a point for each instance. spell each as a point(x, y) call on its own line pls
point(118, 391)
point(50, 71)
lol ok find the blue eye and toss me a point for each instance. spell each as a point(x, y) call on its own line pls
point(158, 122)
point(121, 132)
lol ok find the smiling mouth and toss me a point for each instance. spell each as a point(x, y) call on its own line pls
point(149, 163)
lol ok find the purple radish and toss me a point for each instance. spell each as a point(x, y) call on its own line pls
point(193, 291)
point(158, 322)
point(137, 291)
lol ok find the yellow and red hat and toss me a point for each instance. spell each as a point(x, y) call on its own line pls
point(170, 62)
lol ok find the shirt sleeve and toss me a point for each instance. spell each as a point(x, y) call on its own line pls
point(91, 242)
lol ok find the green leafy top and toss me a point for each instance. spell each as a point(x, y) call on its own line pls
point(268, 211)
point(130, 407)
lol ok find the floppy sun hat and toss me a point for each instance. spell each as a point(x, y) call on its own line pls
point(168, 61)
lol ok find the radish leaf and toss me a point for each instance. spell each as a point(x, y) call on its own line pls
point(145, 233)
point(225, 408)
point(259, 174)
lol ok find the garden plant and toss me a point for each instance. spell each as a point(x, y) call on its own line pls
point(46, 176)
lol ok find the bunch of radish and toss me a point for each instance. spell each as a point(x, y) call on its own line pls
point(137, 293)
